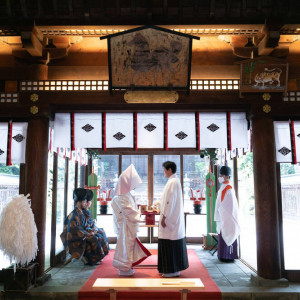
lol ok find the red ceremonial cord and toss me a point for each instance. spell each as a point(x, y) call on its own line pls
point(229, 130)
point(104, 131)
point(166, 131)
point(9, 144)
point(135, 131)
point(294, 155)
point(198, 129)
point(73, 131)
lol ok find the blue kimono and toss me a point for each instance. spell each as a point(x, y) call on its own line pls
point(77, 241)
point(101, 236)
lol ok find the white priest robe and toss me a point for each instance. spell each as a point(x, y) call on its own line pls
point(226, 214)
point(129, 250)
point(171, 206)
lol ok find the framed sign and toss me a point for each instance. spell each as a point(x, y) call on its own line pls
point(263, 74)
point(148, 58)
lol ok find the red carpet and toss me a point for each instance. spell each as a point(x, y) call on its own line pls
point(196, 270)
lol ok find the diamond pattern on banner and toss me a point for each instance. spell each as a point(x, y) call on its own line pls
point(87, 128)
point(213, 127)
point(119, 130)
point(181, 135)
point(18, 138)
point(119, 136)
point(150, 127)
point(150, 130)
point(213, 130)
point(181, 130)
point(18, 142)
point(282, 141)
point(1, 152)
point(284, 151)
point(298, 135)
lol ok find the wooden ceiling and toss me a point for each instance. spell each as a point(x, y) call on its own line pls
point(136, 12)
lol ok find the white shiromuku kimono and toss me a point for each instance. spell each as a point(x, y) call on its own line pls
point(226, 217)
point(129, 250)
point(172, 252)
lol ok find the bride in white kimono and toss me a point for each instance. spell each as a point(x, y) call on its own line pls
point(129, 250)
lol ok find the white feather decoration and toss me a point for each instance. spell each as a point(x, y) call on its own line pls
point(18, 232)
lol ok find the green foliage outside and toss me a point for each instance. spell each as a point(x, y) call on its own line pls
point(11, 170)
point(287, 169)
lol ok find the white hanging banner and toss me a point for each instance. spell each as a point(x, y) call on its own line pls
point(18, 142)
point(150, 130)
point(62, 131)
point(88, 130)
point(119, 130)
point(181, 130)
point(239, 130)
point(213, 130)
point(84, 157)
point(297, 139)
point(283, 141)
point(3, 142)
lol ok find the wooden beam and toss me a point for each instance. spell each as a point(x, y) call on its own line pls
point(8, 8)
point(36, 180)
point(54, 208)
point(55, 10)
point(24, 8)
point(266, 201)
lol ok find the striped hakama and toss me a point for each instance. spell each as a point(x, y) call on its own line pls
point(172, 256)
point(226, 253)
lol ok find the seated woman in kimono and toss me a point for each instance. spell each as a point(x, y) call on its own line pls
point(99, 233)
point(76, 239)
point(129, 250)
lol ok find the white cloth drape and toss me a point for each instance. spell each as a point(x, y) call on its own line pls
point(119, 130)
point(88, 130)
point(239, 137)
point(62, 131)
point(18, 142)
point(3, 142)
point(283, 141)
point(150, 130)
point(297, 139)
point(181, 130)
point(213, 130)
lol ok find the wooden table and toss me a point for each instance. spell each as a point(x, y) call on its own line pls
point(182, 285)
point(151, 228)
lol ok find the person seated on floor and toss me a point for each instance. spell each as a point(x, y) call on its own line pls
point(79, 242)
point(91, 226)
point(129, 250)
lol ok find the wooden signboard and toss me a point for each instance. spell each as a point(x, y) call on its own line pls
point(263, 74)
point(149, 58)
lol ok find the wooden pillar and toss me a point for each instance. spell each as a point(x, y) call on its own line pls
point(266, 202)
point(36, 180)
point(39, 72)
